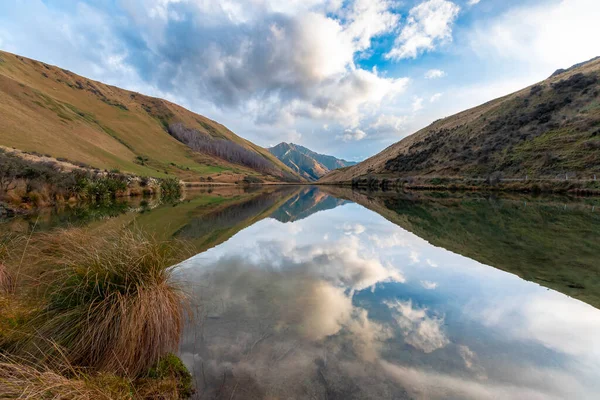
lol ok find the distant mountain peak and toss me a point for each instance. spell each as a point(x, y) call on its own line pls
point(305, 162)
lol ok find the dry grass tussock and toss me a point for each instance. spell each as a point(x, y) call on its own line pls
point(110, 302)
point(8, 244)
point(22, 381)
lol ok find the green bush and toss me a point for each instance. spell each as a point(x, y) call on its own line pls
point(171, 366)
point(170, 187)
point(248, 179)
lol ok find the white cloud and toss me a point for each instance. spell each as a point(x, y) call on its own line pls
point(350, 135)
point(420, 330)
point(435, 97)
point(386, 123)
point(368, 19)
point(434, 74)
point(473, 2)
point(429, 285)
point(429, 25)
point(431, 263)
point(417, 104)
point(353, 229)
point(347, 263)
point(428, 384)
point(539, 322)
point(414, 257)
point(544, 37)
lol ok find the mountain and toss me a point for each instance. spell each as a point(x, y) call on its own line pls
point(305, 162)
point(548, 130)
point(49, 110)
point(305, 203)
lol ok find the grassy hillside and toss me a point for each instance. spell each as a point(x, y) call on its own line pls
point(554, 242)
point(305, 162)
point(548, 130)
point(48, 110)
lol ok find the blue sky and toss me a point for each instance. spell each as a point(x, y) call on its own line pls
point(344, 77)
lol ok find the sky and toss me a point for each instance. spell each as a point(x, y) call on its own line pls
point(341, 77)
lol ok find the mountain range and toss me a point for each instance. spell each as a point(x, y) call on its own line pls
point(307, 163)
point(550, 130)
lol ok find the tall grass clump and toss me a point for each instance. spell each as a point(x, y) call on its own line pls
point(111, 302)
point(8, 243)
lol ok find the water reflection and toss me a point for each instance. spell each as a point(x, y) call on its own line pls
point(343, 304)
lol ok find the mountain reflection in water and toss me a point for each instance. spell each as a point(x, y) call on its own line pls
point(317, 297)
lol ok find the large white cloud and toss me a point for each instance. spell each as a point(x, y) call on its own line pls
point(420, 329)
point(429, 24)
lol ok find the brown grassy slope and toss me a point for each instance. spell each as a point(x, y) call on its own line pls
point(52, 111)
point(545, 130)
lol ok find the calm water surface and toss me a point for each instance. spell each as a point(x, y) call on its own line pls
point(322, 293)
point(323, 298)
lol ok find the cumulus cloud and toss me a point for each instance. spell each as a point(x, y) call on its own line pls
point(434, 74)
point(435, 97)
point(347, 263)
point(425, 384)
point(473, 2)
point(422, 331)
point(386, 123)
point(387, 241)
point(278, 66)
point(353, 229)
point(431, 263)
point(417, 104)
point(429, 25)
point(535, 318)
point(429, 285)
point(352, 135)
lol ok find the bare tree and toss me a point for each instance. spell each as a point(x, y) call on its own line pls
point(221, 148)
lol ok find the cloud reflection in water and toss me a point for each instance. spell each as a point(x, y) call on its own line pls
point(282, 313)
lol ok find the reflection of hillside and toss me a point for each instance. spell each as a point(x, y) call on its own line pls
point(548, 242)
point(214, 227)
point(305, 203)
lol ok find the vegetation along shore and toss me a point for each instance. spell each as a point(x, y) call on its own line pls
point(91, 316)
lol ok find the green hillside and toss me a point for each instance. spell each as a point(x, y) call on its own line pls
point(550, 130)
point(52, 111)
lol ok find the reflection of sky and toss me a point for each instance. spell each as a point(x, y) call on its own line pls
point(345, 300)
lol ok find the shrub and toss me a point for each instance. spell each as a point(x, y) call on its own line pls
point(110, 302)
point(170, 187)
point(248, 179)
point(171, 367)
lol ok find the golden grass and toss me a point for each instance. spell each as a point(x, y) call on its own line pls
point(26, 381)
point(8, 244)
point(21, 381)
point(110, 302)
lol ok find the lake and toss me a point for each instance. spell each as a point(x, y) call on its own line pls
point(326, 293)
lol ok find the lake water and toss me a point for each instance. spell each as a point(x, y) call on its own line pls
point(325, 293)
point(320, 297)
